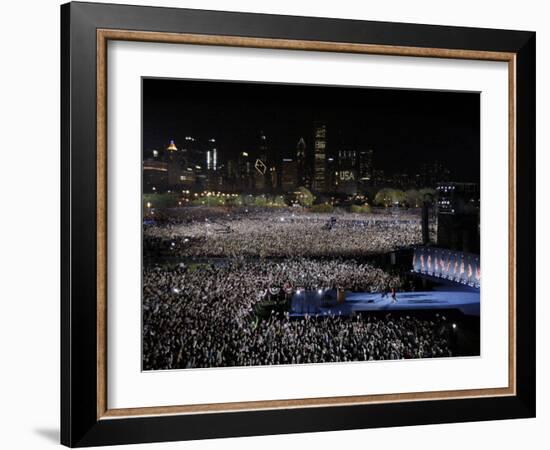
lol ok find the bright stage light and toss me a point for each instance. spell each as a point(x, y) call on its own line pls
point(454, 326)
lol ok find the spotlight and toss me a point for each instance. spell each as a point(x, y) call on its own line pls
point(454, 326)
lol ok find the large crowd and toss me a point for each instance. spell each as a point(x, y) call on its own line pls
point(284, 235)
point(203, 316)
point(202, 313)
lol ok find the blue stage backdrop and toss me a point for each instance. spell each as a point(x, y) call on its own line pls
point(461, 267)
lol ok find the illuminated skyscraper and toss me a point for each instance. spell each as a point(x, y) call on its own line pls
point(173, 160)
point(262, 147)
point(365, 165)
point(212, 155)
point(304, 178)
point(289, 174)
point(319, 161)
point(214, 177)
point(171, 147)
point(245, 168)
point(346, 178)
point(264, 173)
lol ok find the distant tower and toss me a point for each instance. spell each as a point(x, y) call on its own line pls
point(365, 166)
point(172, 146)
point(212, 155)
point(320, 153)
point(174, 169)
point(174, 153)
point(262, 148)
point(301, 163)
point(264, 167)
point(347, 173)
point(289, 174)
point(245, 171)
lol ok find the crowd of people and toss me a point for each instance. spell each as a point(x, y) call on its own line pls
point(284, 235)
point(203, 316)
point(202, 312)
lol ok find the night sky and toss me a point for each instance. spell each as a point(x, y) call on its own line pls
point(405, 128)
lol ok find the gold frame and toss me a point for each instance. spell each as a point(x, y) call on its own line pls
point(103, 36)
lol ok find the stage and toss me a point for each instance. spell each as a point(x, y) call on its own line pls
point(324, 303)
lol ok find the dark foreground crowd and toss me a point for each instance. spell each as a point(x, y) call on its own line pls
point(204, 317)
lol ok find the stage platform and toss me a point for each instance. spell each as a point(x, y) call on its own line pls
point(324, 303)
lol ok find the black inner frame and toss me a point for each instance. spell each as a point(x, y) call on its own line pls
point(79, 424)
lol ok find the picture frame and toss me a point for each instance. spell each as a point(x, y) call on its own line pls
point(86, 418)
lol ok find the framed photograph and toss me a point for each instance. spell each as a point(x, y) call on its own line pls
point(277, 224)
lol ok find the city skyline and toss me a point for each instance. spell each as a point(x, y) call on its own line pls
point(405, 129)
